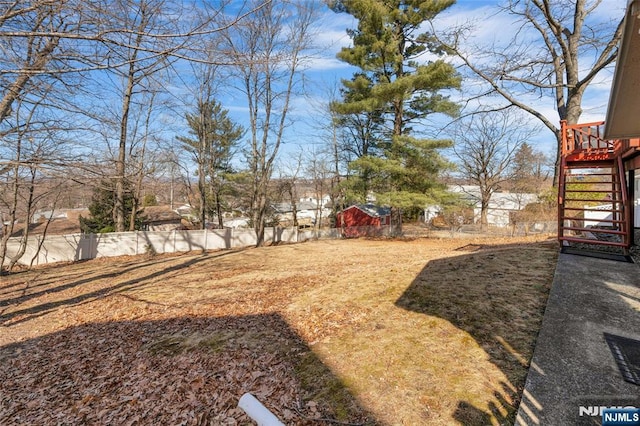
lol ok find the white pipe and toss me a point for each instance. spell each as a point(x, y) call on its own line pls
point(258, 412)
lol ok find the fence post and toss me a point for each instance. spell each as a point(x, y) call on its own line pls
point(231, 238)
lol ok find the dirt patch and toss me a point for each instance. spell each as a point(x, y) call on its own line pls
point(360, 331)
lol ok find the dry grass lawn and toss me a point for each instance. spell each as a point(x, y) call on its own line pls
point(389, 332)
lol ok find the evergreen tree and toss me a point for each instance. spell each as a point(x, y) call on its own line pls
point(533, 169)
point(103, 218)
point(404, 89)
point(361, 133)
point(214, 135)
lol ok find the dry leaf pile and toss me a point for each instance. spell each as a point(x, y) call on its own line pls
point(176, 371)
point(330, 332)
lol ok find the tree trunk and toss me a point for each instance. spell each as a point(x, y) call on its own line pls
point(294, 213)
point(260, 212)
point(484, 222)
point(13, 208)
point(556, 168)
point(219, 210)
point(201, 194)
point(395, 229)
point(485, 198)
point(41, 60)
point(25, 236)
point(119, 206)
point(138, 190)
point(135, 203)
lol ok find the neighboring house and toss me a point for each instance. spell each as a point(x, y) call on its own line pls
point(43, 215)
point(430, 212)
point(238, 222)
point(56, 226)
point(363, 215)
point(186, 211)
point(54, 222)
point(306, 212)
point(313, 198)
point(70, 214)
point(501, 205)
point(160, 218)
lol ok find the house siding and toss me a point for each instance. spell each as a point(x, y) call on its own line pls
point(363, 216)
point(353, 216)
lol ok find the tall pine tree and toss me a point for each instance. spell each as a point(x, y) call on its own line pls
point(213, 136)
point(405, 88)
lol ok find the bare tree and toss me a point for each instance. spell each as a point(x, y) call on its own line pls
point(327, 163)
point(319, 170)
point(54, 39)
point(267, 51)
point(289, 181)
point(146, 21)
point(51, 43)
point(39, 21)
point(142, 163)
point(558, 50)
point(31, 154)
point(485, 146)
point(48, 51)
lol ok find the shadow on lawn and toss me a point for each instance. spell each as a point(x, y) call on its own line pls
point(185, 370)
point(18, 296)
point(497, 296)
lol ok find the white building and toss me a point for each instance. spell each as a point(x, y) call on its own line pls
point(501, 205)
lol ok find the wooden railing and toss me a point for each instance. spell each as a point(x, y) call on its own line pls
point(587, 138)
point(582, 137)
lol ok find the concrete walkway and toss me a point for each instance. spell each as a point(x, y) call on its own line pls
point(572, 365)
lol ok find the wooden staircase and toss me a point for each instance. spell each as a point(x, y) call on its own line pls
point(593, 206)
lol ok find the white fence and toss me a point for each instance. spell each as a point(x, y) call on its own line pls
point(74, 247)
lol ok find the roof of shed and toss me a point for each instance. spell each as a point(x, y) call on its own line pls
point(371, 209)
point(159, 214)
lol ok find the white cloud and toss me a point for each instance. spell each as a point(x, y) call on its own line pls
point(490, 28)
point(323, 63)
point(330, 36)
point(331, 30)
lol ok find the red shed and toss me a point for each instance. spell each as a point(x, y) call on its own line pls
point(363, 215)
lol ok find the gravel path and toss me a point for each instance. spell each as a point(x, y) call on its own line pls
point(634, 251)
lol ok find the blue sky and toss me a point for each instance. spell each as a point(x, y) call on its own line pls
point(322, 78)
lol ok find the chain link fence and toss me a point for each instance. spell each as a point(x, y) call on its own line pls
point(521, 229)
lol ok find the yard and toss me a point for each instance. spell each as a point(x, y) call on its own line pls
point(419, 331)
